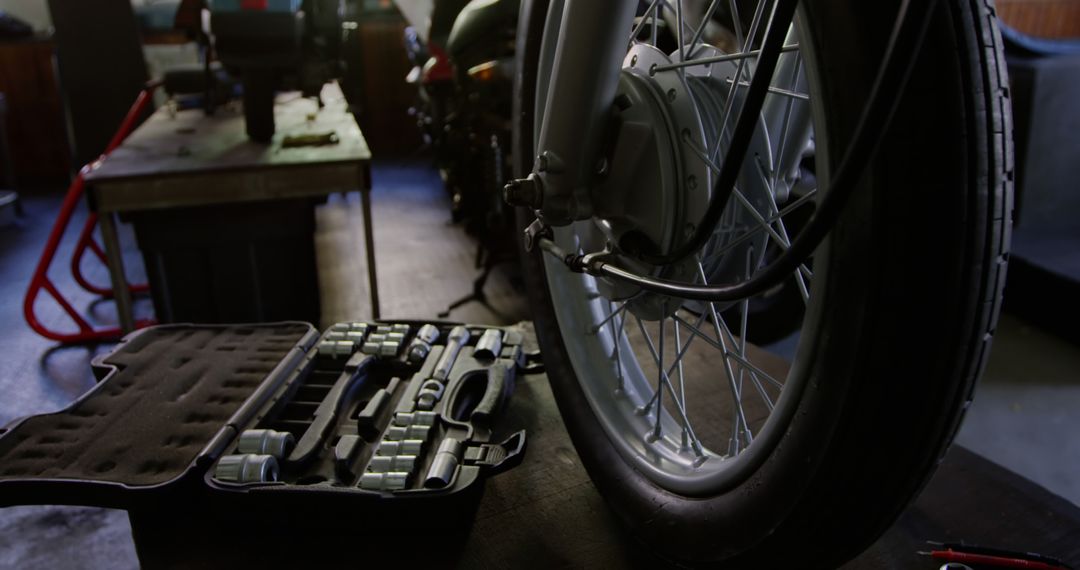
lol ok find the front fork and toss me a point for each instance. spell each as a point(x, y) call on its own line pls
point(592, 42)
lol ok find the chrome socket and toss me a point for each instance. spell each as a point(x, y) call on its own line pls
point(489, 346)
point(247, 468)
point(445, 464)
point(393, 481)
point(388, 463)
point(415, 418)
point(266, 442)
point(406, 447)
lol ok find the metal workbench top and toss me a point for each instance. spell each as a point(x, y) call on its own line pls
point(185, 158)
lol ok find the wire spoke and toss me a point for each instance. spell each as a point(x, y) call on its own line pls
point(769, 404)
point(736, 24)
point(679, 364)
point(694, 333)
point(682, 47)
point(743, 55)
point(752, 367)
point(729, 102)
point(596, 328)
point(665, 382)
point(697, 332)
point(758, 229)
point(750, 209)
point(650, 15)
point(765, 224)
point(682, 383)
point(659, 378)
point(684, 26)
point(617, 341)
point(782, 237)
point(777, 91)
point(704, 21)
point(741, 425)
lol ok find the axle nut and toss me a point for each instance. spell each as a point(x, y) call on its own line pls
point(524, 192)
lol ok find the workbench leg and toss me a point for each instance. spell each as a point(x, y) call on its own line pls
point(369, 238)
point(115, 260)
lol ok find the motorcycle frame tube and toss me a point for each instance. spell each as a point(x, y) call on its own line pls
point(583, 80)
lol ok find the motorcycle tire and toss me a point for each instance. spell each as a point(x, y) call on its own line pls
point(907, 290)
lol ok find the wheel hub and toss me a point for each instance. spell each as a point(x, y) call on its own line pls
point(660, 171)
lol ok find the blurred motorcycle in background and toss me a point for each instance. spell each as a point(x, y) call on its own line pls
point(463, 68)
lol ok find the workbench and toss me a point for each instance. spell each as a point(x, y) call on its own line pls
point(178, 161)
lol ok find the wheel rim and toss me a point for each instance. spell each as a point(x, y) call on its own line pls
point(634, 365)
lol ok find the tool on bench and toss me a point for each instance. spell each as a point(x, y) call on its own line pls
point(960, 554)
point(310, 139)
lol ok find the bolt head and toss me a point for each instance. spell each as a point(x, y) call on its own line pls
point(525, 192)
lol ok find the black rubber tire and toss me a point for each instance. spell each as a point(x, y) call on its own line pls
point(926, 234)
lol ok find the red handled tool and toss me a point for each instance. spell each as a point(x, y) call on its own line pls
point(984, 557)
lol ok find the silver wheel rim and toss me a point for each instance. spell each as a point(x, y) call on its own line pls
point(633, 372)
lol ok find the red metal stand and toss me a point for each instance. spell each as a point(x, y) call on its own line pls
point(87, 241)
point(41, 280)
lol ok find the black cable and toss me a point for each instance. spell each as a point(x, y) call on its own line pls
point(782, 14)
point(900, 55)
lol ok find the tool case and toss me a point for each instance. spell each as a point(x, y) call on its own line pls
point(275, 445)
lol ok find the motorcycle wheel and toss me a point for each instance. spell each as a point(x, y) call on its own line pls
point(903, 300)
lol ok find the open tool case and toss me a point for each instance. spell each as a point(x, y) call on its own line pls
point(226, 443)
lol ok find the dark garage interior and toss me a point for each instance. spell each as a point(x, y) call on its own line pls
point(480, 284)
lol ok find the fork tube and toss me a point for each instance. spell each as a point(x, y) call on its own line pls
point(593, 41)
point(792, 116)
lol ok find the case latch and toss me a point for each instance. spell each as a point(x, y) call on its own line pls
point(496, 458)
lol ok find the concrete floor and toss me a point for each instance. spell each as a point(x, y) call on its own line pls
point(1026, 414)
point(1022, 418)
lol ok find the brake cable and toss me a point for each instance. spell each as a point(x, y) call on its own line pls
point(906, 38)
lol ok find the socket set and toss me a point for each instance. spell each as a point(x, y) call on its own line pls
point(259, 421)
point(400, 407)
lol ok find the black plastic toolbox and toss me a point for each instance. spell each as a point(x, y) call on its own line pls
point(276, 446)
